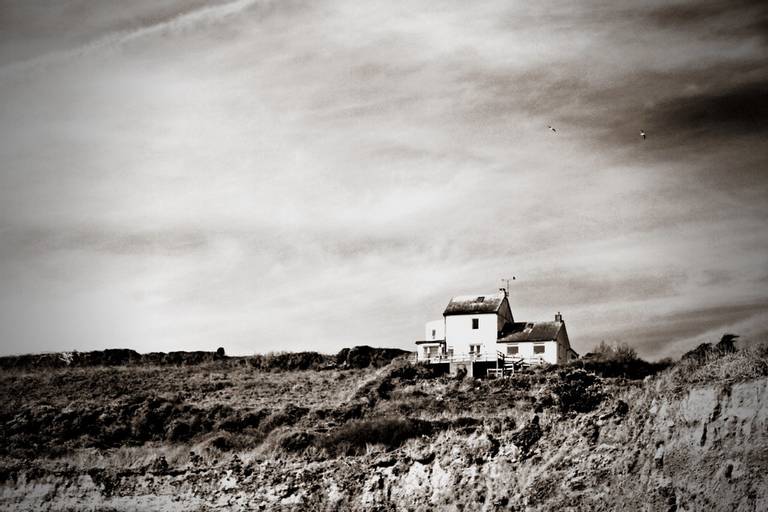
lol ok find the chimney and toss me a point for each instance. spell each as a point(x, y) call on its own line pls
point(558, 317)
point(503, 290)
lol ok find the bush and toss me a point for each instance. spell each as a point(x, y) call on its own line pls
point(178, 431)
point(706, 352)
point(527, 437)
point(576, 391)
point(288, 416)
point(296, 441)
point(365, 356)
point(715, 365)
point(616, 352)
point(618, 360)
point(352, 437)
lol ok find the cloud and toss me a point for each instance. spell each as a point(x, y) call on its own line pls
point(690, 327)
point(270, 176)
point(735, 111)
point(743, 18)
point(154, 24)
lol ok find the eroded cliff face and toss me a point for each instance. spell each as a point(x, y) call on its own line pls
point(644, 449)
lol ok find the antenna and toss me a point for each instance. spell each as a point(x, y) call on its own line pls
point(506, 282)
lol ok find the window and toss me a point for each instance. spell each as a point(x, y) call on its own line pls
point(480, 299)
point(432, 351)
point(450, 352)
point(433, 333)
point(474, 349)
point(475, 323)
point(538, 349)
point(513, 350)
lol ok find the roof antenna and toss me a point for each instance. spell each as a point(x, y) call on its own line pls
point(506, 283)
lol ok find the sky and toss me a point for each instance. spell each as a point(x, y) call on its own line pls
point(286, 175)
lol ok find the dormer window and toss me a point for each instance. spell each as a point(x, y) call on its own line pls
point(480, 299)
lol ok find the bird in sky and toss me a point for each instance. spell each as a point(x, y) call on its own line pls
point(553, 130)
point(642, 134)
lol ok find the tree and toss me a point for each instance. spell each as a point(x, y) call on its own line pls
point(616, 352)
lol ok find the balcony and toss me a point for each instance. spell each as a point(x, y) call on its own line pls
point(458, 358)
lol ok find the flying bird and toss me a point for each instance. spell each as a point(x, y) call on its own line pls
point(553, 130)
point(642, 134)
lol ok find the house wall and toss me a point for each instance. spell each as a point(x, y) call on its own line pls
point(504, 316)
point(525, 350)
point(563, 336)
point(459, 334)
point(427, 351)
point(438, 326)
point(562, 347)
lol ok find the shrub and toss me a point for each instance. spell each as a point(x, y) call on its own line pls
point(616, 352)
point(618, 360)
point(576, 391)
point(289, 415)
point(365, 356)
point(527, 437)
point(296, 441)
point(352, 437)
point(706, 352)
point(178, 431)
point(712, 365)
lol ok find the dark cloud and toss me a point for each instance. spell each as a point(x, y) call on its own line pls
point(39, 24)
point(735, 111)
point(681, 14)
point(741, 18)
point(594, 289)
point(100, 240)
point(662, 334)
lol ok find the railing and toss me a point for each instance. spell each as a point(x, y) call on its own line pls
point(518, 360)
point(457, 358)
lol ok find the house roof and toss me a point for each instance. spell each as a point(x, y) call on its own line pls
point(427, 342)
point(474, 304)
point(530, 331)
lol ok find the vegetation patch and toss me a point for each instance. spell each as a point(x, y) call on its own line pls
point(618, 360)
point(577, 391)
point(353, 437)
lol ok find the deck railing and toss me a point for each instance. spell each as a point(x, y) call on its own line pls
point(505, 361)
point(458, 358)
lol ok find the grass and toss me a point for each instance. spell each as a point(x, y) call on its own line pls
point(214, 407)
point(748, 363)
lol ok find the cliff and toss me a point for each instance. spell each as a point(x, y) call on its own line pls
point(692, 437)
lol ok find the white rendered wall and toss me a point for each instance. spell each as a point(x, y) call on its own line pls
point(423, 351)
point(435, 325)
point(525, 350)
point(459, 334)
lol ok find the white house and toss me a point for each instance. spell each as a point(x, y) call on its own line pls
point(478, 332)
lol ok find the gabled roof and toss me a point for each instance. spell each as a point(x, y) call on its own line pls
point(531, 331)
point(474, 304)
